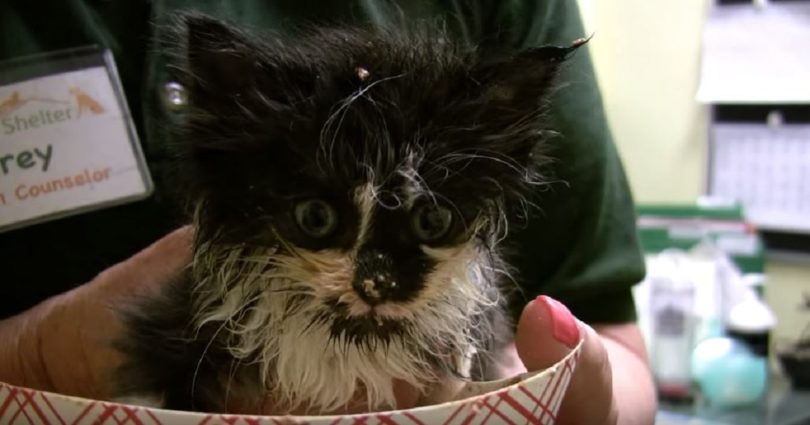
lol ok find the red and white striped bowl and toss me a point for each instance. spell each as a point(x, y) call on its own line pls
point(533, 400)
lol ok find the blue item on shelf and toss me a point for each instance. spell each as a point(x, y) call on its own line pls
point(728, 372)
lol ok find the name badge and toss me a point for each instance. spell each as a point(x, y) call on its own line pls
point(67, 142)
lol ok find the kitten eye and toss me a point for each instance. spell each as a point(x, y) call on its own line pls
point(430, 222)
point(316, 218)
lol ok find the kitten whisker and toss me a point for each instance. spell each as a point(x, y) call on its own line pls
point(451, 158)
point(375, 195)
point(202, 358)
point(342, 110)
point(232, 369)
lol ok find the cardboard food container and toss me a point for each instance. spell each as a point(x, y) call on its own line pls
point(533, 398)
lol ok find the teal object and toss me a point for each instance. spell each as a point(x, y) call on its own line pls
point(728, 373)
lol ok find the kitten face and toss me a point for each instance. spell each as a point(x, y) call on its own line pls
point(350, 188)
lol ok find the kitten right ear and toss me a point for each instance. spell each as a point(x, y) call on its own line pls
point(218, 57)
point(517, 84)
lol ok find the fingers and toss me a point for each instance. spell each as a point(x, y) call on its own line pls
point(150, 268)
point(589, 399)
point(546, 333)
point(74, 334)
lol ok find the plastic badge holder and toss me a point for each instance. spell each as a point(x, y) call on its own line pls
point(67, 141)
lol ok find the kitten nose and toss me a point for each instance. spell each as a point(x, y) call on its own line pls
point(376, 289)
point(373, 280)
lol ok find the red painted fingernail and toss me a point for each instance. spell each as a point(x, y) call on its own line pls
point(563, 325)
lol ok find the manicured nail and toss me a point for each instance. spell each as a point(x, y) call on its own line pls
point(563, 325)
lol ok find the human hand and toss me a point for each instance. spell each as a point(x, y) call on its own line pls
point(63, 344)
point(546, 333)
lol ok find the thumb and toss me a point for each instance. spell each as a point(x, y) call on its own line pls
point(546, 333)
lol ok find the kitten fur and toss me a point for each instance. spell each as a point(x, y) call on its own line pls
point(378, 135)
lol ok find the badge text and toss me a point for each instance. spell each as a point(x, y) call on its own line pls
point(26, 159)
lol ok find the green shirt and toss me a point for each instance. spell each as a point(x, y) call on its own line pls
point(580, 247)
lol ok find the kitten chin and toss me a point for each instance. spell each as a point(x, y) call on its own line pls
point(351, 190)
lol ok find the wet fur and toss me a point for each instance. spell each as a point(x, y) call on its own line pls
point(375, 122)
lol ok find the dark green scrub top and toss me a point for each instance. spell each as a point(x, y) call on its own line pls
point(580, 246)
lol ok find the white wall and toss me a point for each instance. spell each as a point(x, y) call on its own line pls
point(647, 57)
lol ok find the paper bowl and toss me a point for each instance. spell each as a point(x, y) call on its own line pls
point(535, 399)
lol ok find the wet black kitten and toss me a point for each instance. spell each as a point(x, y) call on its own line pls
point(350, 189)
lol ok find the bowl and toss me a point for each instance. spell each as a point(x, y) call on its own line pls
point(531, 398)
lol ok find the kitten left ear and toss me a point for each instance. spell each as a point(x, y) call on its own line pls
point(520, 83)
point(218, 57)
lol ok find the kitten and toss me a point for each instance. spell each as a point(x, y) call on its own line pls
point(350, 190)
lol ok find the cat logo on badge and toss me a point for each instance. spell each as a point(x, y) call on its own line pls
point(83, 102)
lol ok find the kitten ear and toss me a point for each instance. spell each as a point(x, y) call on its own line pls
point(522, 82)
point(218, 56)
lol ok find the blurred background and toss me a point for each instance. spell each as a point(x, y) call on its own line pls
point(709, 104)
